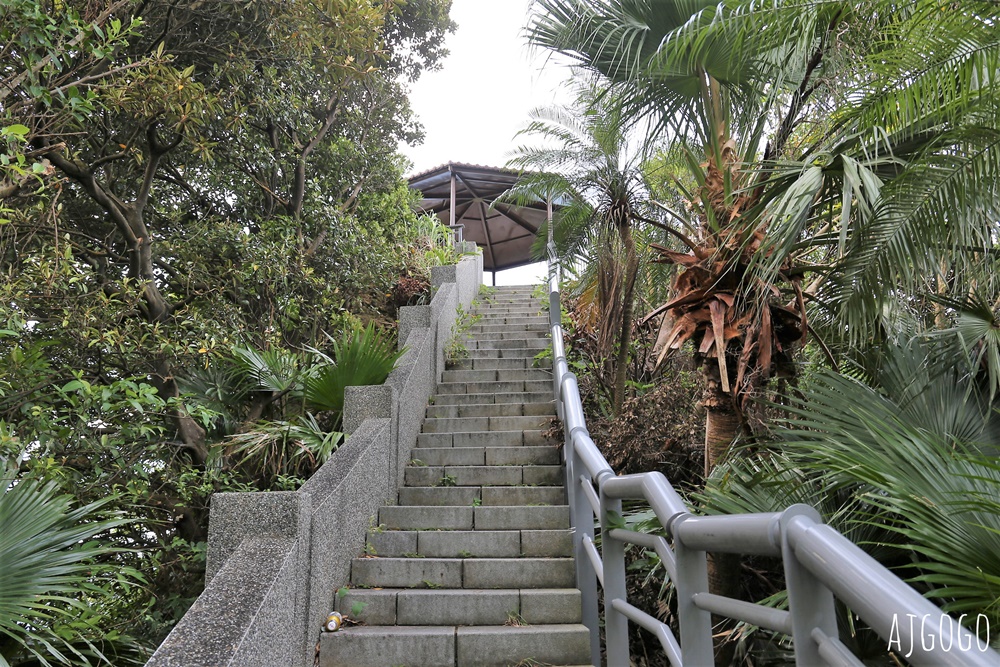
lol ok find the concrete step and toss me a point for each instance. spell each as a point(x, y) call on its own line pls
point(489, 342)
point(527, 310)
point(542, 408)
point(529, 438)
point(476, 364)
point(495, 387)
point(470, 517)
point(460, 606)
point(508, 353)
point(484, 475)
point(505, 317)
point(449, 646)
point(482, 495)
point(510, 375)
point(539, 326)
point(505, 334)
point(537, 543)
point(435, 573)
point(526, 307)
point(466, 424)
point(486, 456)
point(500, 398)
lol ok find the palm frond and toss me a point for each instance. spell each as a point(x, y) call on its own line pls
point(360, 358)
point(51, 573)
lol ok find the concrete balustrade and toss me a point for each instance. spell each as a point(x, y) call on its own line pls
point(275, 560)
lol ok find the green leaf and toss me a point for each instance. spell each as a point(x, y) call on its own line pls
point(17, 130)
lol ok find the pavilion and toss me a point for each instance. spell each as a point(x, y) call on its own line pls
point(464, 197)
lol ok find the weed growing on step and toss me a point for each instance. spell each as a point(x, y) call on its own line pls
point(431, 584)
point(456, 350)
point(515, 620)
point(448, 480)
point(536, 362)
point(464, 554)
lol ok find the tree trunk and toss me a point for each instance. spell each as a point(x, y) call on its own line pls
point(189, 432)
point(722, 425)
point(625, 338)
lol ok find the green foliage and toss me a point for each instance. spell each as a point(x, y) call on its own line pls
point(185, 206)
point(456, 350)
point(287, 449)
point(902, 462)
point(57, 582)
point(359, 358)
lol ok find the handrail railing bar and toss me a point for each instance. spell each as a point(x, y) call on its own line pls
point(660, 629)
point(590, 456)
point(748, 612)
point(884, 601)
point(652, 487)
point(833, 651)
point(595, 558)
point(656, 543)
point(757, 534)
point(590, 494)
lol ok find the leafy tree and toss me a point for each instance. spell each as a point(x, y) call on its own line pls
point(178, 179)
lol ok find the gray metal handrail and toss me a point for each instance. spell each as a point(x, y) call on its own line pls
point(819, 563)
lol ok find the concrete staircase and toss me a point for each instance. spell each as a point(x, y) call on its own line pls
point(473, 566)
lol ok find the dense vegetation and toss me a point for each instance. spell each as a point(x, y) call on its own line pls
point(201, 207)
point(801, 198)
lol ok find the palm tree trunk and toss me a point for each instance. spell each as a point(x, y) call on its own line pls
point(722, 425)
point(625, 337)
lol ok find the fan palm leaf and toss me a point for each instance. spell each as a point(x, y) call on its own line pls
point(359, 358)
point(50, 573)
point(913, 449)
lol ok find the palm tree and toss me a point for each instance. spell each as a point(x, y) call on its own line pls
point(842, 152)
point(587, 160)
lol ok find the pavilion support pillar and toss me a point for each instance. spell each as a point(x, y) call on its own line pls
point(451, 217)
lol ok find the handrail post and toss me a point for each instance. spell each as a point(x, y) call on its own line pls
point(809, 600)
point(695, 623)
point(613, 558)
point(582, 524)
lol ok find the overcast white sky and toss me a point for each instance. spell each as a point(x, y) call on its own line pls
point(474, 105)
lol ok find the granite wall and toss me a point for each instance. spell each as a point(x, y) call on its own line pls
point(276, 560)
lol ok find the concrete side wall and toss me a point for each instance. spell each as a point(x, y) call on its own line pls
point(345, 497)
point(276, 560)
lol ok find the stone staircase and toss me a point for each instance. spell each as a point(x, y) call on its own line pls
point(473, 566)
